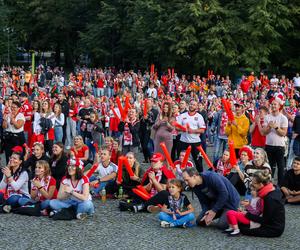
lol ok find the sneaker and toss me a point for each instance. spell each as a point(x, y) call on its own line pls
point(235, 232)
point(153, 209)
point(228, 230)
point(7, 208)
point(135, 209)
point(187, 225)
point(81, 216)
point(44, 212)
point(52, 213)
point(165, 224)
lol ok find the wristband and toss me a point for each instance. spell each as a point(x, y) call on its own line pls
point(8, 177)
point(276, 128)
point(40, 187)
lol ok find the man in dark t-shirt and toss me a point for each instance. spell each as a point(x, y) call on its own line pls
point(291, 183)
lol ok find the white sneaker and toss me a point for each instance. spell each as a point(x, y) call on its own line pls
point(81, 216)
point(165, 224)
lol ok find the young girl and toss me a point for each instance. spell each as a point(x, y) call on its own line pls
point(254, 206)
point(179, 211)
point(223, 165)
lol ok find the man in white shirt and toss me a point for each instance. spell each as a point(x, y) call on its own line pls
point(152, 92)
point(275, 129)
point(195, 126)
point(297, 81)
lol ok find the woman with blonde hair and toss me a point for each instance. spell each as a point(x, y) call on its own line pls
point(58, 122)
point(79, 150)
point(43, 187)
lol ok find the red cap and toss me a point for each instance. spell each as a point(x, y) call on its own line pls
point(17, 149)
point(156, 157)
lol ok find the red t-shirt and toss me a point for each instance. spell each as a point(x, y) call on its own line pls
point(46, 184)
point(100, 83)
point(258, 140)
point(81, 152)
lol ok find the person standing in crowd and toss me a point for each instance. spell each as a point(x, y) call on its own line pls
point(58, 122)
point(146, 124)
point(13, 123)
point(256, 128)
point(237, 130)
point(220, 120)
point(71, 122)
point(275, 129)
point(84, 115)
point(163, 129)
point(48, 119)
point(195, 126)
point(215, 193)
point(130, 132)
point(26, 109)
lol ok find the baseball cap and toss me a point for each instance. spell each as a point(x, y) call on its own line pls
point(156, 157)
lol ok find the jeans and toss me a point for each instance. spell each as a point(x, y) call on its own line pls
point(102, 185)
point(99, 92)
point(44, 204)
point(221, 223)
point(110, 92)
point(180, 219)
point(86, 207)
point(220, 145)
point(13, 200)
point(71, 131)
point(58, 131)
point(92, 149)
point(291, 155)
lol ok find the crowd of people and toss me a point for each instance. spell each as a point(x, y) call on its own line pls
point(70, 139)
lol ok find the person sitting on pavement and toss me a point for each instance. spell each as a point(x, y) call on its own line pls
point(223, 165)
point(291, 183)
point(273, 216)
point(43, 187)
point(74, 191)
point(128, 182)
point(79, 150)
point(105, 173)
point(14, 181)
point(38, 153)
point(178, 168)
point(215, 193)
point(178, 212)
point(155, 182)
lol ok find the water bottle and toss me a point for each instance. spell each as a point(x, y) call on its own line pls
point(103, 195)
point(121, 192)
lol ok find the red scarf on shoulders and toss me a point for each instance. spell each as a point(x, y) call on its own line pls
point(265, 190)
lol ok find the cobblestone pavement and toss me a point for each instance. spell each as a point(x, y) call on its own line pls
point(112, 229)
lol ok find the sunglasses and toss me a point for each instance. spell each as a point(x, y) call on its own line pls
point(72, 167)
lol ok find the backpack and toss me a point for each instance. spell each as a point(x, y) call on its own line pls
point(45, 124)
point(30, 209)
point(65, 214)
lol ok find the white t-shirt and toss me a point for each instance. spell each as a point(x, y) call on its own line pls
point(152, 92)
point(273, 139)
point(194, 122)
point(11, 128)
point(104, 171)
point(78, 188)
point(297, 81)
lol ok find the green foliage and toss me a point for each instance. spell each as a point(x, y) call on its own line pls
point(192, 35)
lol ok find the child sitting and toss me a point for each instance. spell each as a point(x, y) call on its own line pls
point(179, 211)
point(254, 206)
point(179, 168)
point(223, 164)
